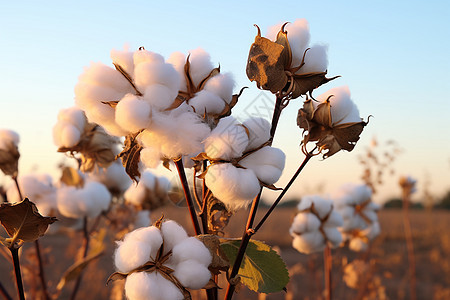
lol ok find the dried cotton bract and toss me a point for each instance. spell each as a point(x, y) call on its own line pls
point(9, 152)
point(315, 225)
point(161, 262)
point(354, 203)
point(333, 122)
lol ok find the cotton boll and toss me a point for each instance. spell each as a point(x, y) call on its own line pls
point(304, 222)
point(67, 199)
point(66, 135)
point(159, 96)
point(272, 31)
point(150, 157)
point(142, 219)
point(259, 132)
point(340, 102)
point(148, 73)
point(206, 102)
point(96, 199)
point(150, 286)
point(201, 65)
point(168, 290)
point(73, 116)
point(352, 117)
point(124, 58)
point(309, 242)
point(192, 274)
point(333, 236)
point(316, 60)
point(101, 75)
point(143, 55)
point(222, 85)
point(132, 113)
point(131, 255)
point(334, 220)
point(235, 187)
point(228, 140)
point(150, 236)
point(298, 37)
point(114, 177)
point(135, 194)
point(178, 60)
point(191, 249)
point(173, 233)
point(267, 163)
point(8, 136)
point(162, 187)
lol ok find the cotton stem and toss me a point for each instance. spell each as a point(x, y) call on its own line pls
point(41, 270)
point(16, 263)
point(85, 248)
point(409, 244)
point(327, 263)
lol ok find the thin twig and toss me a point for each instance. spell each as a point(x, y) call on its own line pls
point(327, 263)
point(18, 188)
point(19, 282)
point(409, 244)
point(187, 195)
point(41, 270)
point(4, 292)
point(85, 248)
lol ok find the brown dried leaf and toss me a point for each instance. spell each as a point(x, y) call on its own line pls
point(22, 221)
point(112, 104)
point(72, 177)
point(219, 260)
point(218, 216)
point(130, 156)
point(306, 83)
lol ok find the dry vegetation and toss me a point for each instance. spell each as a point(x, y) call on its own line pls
point(387, 275)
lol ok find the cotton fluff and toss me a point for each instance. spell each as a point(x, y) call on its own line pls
point(228, 140)
point(8, 138)
point(150, 192)
point(39, 189)
point(142, 219)
point(267, 163)
point(132, 113)
point(343, 109)
point(69, 127)
point(88, 201)
point(188, 257)
point(113, 177)
point(235, 187)
point(315, 225)
point(258, 132)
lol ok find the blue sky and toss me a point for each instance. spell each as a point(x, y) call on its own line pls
point(394, 56)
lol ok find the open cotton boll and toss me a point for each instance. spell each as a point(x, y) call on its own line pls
point(206, 102)
point(272, 31)
point(124, 58)
point(341, 103)
point(135, 194)
point(228, 140)
point(114, 177)
point(148, 73)
point(73, 116)
point(267, 163)
point(322, 206)
point(304, 222)
point(68, 202)
point(316, 60)
point(150, 157)
point(131, 255)
point(150, 236)
point(259, 132)
point(333, 235)
point(101, 75)
point(132, 113)
point(8, 136)
point(162, 187)
point(201, 65)
point(97, 198)
point(159, 96)
point(191, 249)
point(298, 37)
point(222, 85)
point(150, 286)
point(66, 135)
point(235, 187)
point(173, 234)
point(143, 55)
point(168, 290)
point(309, 242)
point(335, 219)
point(178, 60)
point(192, 274)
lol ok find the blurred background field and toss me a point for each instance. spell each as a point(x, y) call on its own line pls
point(385, 278)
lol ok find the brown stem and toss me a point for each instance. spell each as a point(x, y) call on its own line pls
point(409, 244)
point(327, 263)
point(85, 248)
point(41, 270)
point(187, 195)
point(4, 292)
point(16, 263)
point(18, 188)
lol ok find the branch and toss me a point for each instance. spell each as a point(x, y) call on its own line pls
point(85, 248)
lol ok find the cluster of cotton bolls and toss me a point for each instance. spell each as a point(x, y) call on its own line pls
point(186, 258)
point(69, 128)
point(298, 35)
point(354, 203)
point(316, 225)
point(89, 200)
point(113, 177)
point(146, 94)
point(39, 189)
point(150, 193)
point(240, 160)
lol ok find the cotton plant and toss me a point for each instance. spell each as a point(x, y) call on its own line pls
point(9, 152)
point(241, 160)
point(316, 225)
point(73, 134)
point(161, 262)
point(354, 203)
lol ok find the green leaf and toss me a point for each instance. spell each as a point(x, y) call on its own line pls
point(262, 269)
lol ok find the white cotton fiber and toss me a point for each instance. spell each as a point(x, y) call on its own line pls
point(124, 58)
point(309, 242)
point(192, 274)
point(228, 140)
point(298, 36)
point(178, 60)
point(335, 219)
point(259, 132)
point(235, 187)
point(150, 236)
point(206, 102)
point(222, 85)
point(343, 110)
point(101, 75)
point(142, 219)
point(267, 163)
point(143, 55)
point(8, 137)
point(150, 286)
point(66, 135)
point(114, 177)
point(304, 222)
point(201, 65)
point(132, 113)
point(334, 236)
point(68, 202)
point(131, 255)
point(162, 187)
point(191, 249)
point(316, 60)
point(173, 233)
point(150, 157)
point(73, 116)
point(148, 73)
point(159, 96)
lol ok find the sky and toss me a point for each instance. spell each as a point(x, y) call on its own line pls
point(393, 55)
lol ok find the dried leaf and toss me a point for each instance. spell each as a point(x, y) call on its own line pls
point(219, 259)
point(22, 221)
point(131, 155)
point(72, 177)
point(306, 83)
point(112, 104)
point(218, 216)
